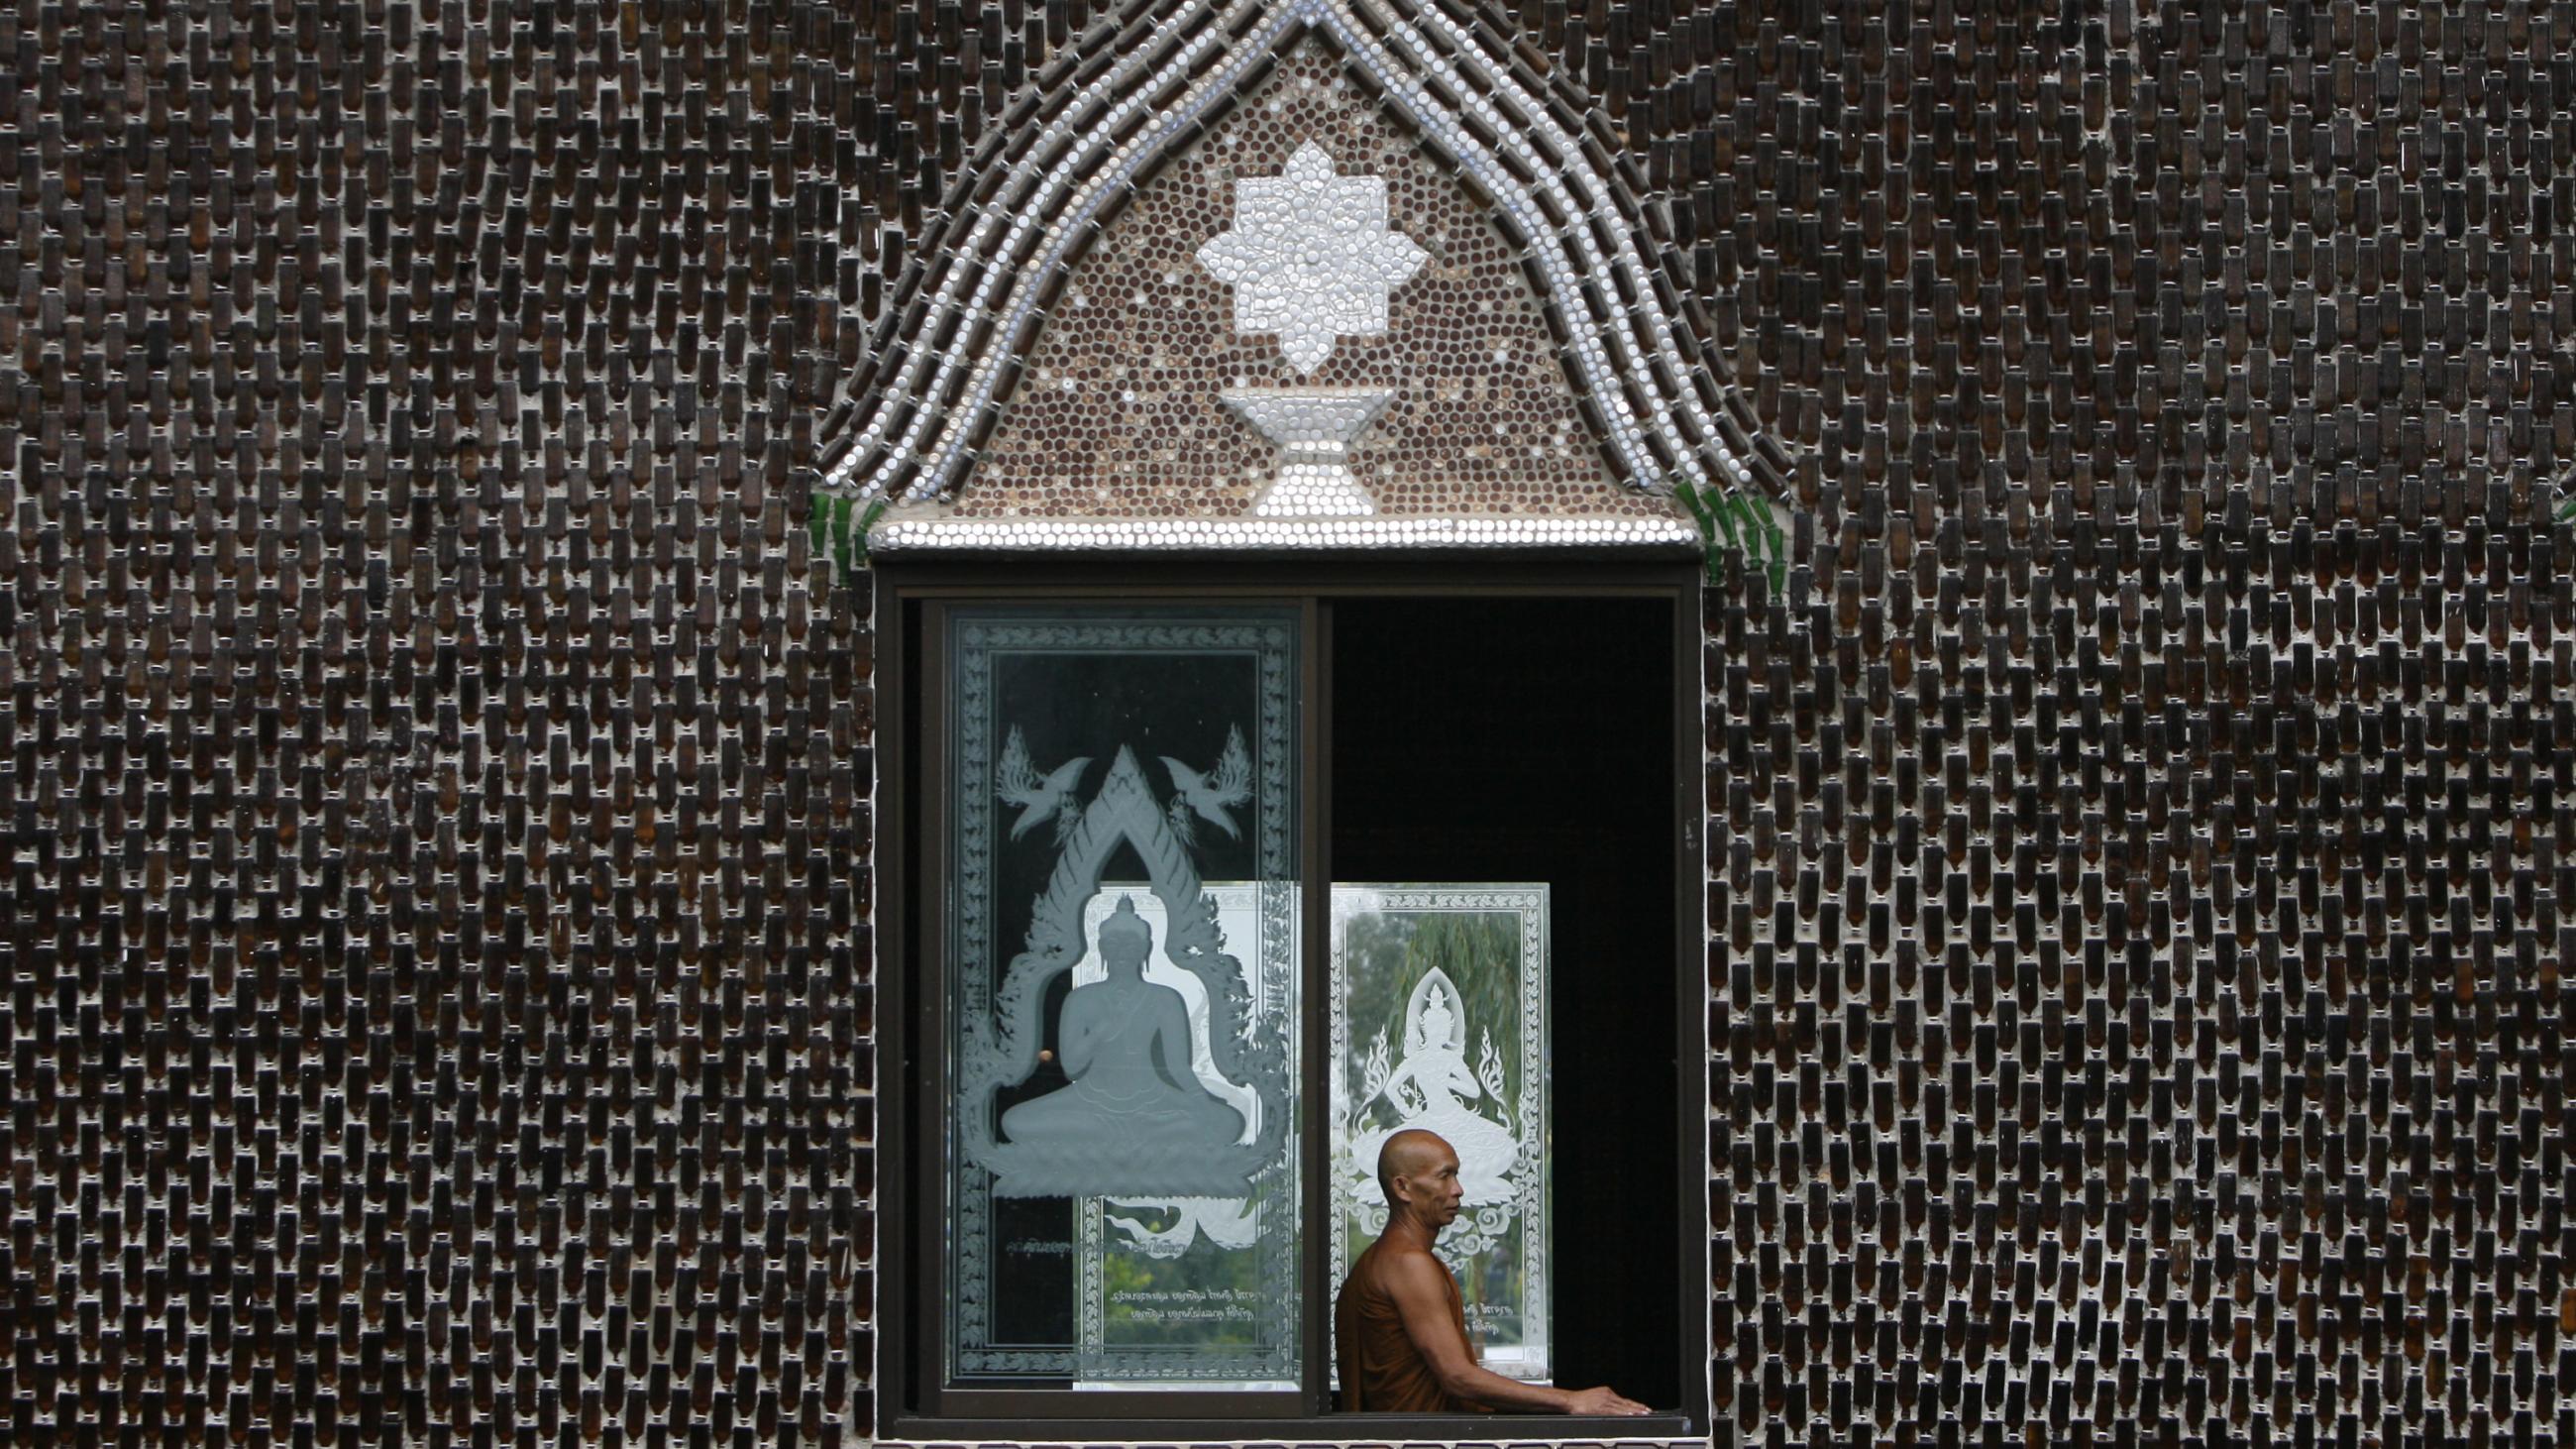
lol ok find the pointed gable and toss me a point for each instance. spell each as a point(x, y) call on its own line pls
point(1542, 364)
point(1119, 410)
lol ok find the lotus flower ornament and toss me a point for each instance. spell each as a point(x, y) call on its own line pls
point(1311, 260)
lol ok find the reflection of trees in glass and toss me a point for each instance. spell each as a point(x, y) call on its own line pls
point(1132, 1282)
point(1389, 954)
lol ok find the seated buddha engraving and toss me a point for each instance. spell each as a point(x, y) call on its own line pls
point(1125, 1042)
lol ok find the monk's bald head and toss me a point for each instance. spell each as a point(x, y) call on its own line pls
point(1412, 1152)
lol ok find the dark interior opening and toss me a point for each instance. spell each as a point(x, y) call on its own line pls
point(1532, 739)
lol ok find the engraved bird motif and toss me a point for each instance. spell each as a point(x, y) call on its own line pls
point(1213, 794)
point(1017, 782)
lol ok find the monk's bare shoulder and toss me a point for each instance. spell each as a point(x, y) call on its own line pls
point(1408, 1271)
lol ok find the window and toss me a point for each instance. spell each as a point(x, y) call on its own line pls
point(1118, 825)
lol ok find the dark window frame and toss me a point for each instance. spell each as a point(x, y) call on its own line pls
point(912, 1401)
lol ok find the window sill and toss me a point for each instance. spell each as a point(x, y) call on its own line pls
point(1331, 1428)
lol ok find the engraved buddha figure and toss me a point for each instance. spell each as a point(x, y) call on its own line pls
point(1125, 1042)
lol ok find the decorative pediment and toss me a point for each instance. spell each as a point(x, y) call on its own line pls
point(1625, 339)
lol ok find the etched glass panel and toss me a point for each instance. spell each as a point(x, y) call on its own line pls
point(1167, 1277)
point(1121, 1040)
point(1439, 1020)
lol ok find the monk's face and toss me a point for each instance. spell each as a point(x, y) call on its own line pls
point(1427, 1179)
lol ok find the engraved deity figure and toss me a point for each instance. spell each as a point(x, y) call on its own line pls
point(1431, 1088)
point(1125, 1042)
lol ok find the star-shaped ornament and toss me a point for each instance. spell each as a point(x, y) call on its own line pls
point(1310, 257)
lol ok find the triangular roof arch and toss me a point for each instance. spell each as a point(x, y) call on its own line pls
point(1051, 171)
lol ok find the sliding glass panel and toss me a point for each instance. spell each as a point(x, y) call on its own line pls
point(1439, 1021)
point(1123, 996)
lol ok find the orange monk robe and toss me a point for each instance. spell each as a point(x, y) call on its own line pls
point(1382, 1372)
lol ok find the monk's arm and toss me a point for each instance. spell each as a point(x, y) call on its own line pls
point(1414, 1281)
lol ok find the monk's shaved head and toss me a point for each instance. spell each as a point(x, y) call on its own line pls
point(1409, 1153)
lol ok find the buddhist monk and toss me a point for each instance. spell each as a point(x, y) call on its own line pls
point(1400, 1328)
